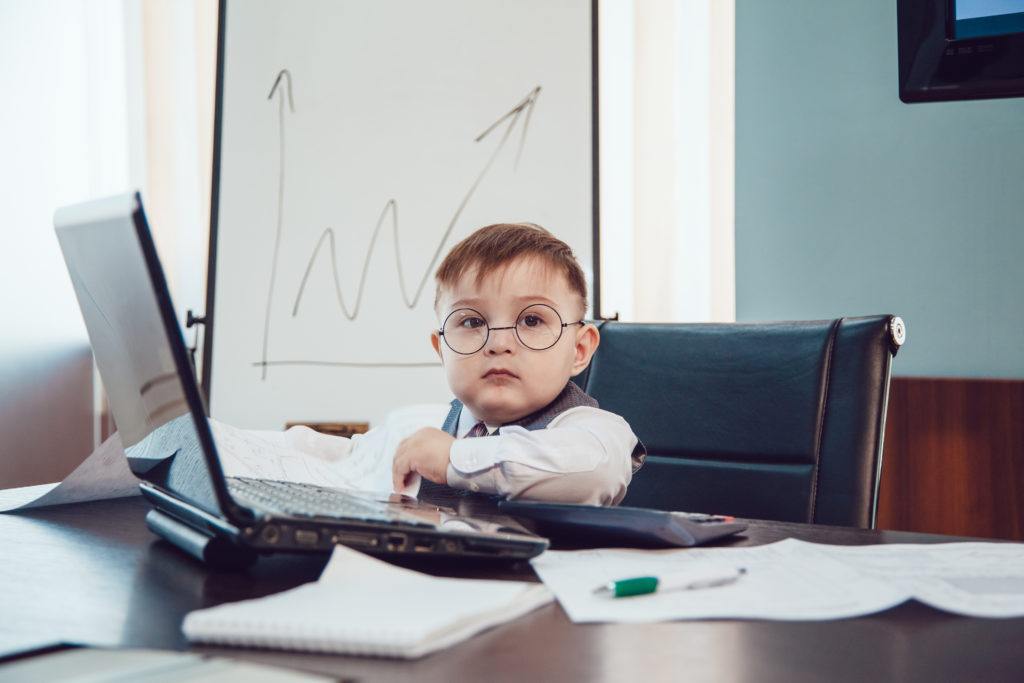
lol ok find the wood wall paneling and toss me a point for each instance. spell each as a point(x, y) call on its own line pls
point(954, 457)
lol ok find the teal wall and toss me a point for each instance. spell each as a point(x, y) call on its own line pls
point(849, 202)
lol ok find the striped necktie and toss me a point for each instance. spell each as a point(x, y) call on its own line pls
point(479, 429)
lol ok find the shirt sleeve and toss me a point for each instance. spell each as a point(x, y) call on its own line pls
point(583, 456)
point(363, 462)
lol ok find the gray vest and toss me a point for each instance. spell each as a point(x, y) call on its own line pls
point(571, 397)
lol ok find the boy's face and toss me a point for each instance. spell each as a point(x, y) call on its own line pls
point(505, 380)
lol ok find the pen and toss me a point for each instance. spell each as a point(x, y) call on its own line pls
point(687, 580)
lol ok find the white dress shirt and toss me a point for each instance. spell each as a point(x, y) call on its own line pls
point(582, 456)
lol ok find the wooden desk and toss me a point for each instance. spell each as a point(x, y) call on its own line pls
point(93, 574)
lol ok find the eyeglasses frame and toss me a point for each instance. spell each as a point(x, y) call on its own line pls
point(515, 328)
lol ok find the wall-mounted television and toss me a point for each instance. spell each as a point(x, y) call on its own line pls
point(960, 49)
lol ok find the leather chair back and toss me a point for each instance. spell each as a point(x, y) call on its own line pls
point(778, 421)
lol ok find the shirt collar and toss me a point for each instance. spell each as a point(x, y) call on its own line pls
point(467, 421)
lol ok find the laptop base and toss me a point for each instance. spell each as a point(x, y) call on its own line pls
point(218, 553)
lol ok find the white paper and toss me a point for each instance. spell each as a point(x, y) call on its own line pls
point(104, 474)
point(301, 455)
point(974, 579)
point(778, 584)
point(104, 665)
point(794, 580)
point(361, 605)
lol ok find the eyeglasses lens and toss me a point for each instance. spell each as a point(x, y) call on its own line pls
point(539, 327)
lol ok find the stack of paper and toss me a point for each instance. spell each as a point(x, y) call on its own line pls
point(363, 606)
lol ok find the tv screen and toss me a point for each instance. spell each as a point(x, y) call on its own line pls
point(980, 18)
point(960, 49)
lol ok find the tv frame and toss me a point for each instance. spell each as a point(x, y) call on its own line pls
point(934, 66)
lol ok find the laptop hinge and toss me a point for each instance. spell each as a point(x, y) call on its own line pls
point(186, 512)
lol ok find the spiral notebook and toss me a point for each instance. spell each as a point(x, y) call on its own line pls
point(364, 606)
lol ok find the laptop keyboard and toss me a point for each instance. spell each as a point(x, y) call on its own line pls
point(305, 500)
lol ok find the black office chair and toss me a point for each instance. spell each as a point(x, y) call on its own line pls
point(778, 421)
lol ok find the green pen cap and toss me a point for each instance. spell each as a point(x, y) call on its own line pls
point(642, 585)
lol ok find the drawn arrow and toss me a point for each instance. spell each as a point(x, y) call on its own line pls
point(391, 207)
point(285, 76)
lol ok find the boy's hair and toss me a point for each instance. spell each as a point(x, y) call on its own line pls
point(495, 246)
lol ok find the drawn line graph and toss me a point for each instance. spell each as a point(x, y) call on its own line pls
point(327, 240)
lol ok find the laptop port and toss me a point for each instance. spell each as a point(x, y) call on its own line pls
point(271, 534)
point(423, 546)
point(355, 538)
point(306, 537)
point(396, 542)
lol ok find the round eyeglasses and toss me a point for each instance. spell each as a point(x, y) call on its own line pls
point(538, 327)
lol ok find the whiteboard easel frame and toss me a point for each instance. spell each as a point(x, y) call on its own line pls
point(210, 317)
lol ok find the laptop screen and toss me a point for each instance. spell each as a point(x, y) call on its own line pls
point(139, 350)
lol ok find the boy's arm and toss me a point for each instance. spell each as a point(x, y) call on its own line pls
point(583, 456)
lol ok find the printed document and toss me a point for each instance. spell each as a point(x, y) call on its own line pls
point(794, 580)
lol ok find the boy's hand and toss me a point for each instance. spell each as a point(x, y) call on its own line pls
point(424, 452)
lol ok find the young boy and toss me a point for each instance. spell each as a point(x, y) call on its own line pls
point(510, 304)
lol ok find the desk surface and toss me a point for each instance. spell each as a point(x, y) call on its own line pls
point(93, 574)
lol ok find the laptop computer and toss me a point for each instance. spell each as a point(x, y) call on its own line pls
point(162, 420)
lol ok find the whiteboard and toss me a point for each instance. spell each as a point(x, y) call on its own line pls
point(357, 142)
